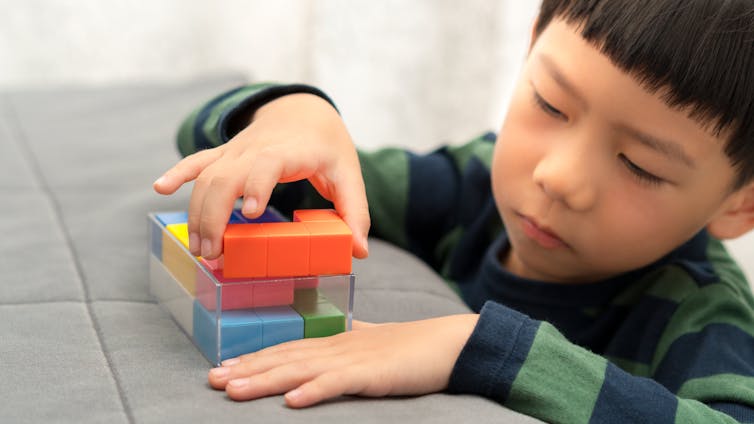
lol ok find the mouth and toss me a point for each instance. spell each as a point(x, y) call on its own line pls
point(542, 235)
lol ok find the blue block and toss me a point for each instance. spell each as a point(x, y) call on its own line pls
point(168, 218)
point(240, 332)
point(280, 324)
point(237, 217)
point(269, 215)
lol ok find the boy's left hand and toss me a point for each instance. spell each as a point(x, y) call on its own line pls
point(409, 358)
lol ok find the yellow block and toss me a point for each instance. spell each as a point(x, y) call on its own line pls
point(177, 260)
point(180, 231)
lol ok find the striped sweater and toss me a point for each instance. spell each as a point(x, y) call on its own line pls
point(671, 342)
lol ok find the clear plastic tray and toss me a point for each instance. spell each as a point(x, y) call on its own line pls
point(253, 313)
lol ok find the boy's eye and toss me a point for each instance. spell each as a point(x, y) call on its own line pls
point(640, 173)
point(548, 108)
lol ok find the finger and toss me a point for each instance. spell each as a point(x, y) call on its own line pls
point(262, 178)
point(351, 203)
point(185, 170)
point(325, 386)
point(283, 353)
point(196, 202)
point(266, 359)
point(275, 381)
point(217, 206)
point(360, 325)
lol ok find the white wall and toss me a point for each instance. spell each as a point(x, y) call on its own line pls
point(414, 73)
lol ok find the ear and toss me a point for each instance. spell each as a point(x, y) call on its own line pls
point(736, 215)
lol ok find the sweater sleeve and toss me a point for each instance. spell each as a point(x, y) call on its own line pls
point(530, 367)
point(413, 198)
point(222, 117)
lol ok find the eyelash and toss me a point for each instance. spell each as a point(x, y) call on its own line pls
point(636, 170)
point(640, 173)
point(548, 108)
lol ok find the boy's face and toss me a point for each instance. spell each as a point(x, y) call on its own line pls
point(594, 176)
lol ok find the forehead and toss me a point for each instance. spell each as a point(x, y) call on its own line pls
point(612, 93)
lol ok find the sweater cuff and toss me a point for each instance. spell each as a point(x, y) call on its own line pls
point(235, 119)
point(493, 355)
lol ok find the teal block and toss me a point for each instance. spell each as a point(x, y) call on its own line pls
point(167, 218)
point(240, 332)
point(280, 324)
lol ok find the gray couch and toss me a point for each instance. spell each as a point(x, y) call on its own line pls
point(81, 338)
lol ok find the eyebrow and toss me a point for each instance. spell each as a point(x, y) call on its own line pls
point(559, 78)
point(668, 148)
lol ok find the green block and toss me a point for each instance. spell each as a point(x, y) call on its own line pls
point(321, 318)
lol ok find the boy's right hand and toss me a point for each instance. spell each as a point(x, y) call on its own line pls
point(294, 137)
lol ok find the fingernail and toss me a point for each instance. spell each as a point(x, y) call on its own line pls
point(231, 361)
point(365, 243)
point(293, 394)
point(239, 383)
point(206, 247)
point(249, 206)
point(219, 372)
point(194, 243)
point(159, 181)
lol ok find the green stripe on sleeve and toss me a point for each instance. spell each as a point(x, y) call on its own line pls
point(210, 126)
point(386, 180)
point(712, 304)
point(186, 142)
point(559, 381)
point(479, 148)
point(692, 411)
point(721, 387)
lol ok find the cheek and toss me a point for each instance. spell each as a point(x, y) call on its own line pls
point(642, 226)
point(505, 171)
point(514, 157)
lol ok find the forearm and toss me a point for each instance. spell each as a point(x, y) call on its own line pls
point(530, 367)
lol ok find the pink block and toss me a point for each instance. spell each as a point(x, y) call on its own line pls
point(213, 264)
point(274, 293)
point(232, 296)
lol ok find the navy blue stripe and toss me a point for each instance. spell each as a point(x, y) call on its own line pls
point(718, 349)
point(637, 336)
point(430, 213)
point(624, 398)
point(741, 413)
point(692, 257)
point(493, 355)
point(201, 142)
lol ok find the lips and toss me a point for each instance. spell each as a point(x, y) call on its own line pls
point(540, 234)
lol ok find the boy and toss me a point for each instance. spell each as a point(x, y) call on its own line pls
point(586, 235)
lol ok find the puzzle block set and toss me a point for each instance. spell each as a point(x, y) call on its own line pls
point(276, 281)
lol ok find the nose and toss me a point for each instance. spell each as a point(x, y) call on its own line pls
point(566, 176)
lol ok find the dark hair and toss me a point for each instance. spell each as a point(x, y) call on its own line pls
point(701, 51)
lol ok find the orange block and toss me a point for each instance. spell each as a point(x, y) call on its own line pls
point(311, 215)
point(287, 249)
point(330, 247)
point(245, 251)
